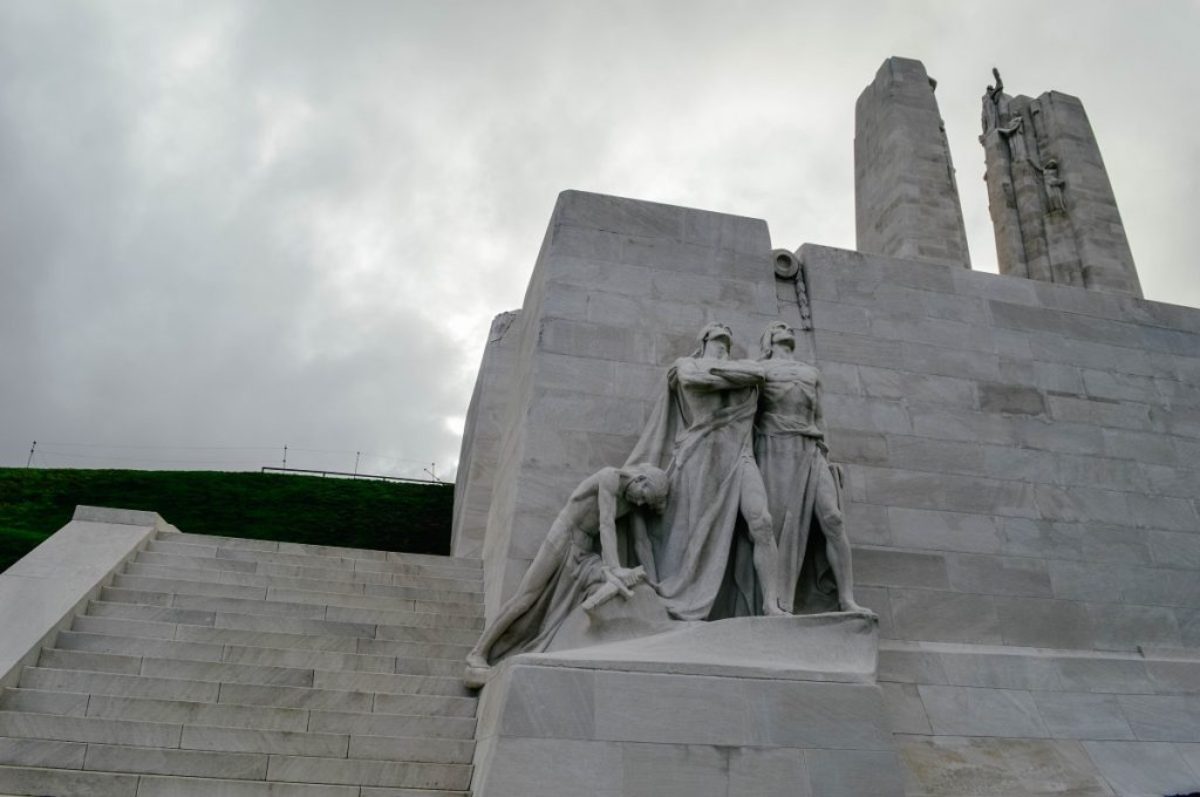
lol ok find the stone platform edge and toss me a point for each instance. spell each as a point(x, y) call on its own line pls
point(42, 592)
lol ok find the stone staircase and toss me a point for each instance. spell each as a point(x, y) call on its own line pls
point(241, 668)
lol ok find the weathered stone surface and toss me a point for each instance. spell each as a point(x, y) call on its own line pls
point(955, 766)
point(962, 711)
point(1142, 768)
point(906, 197)
point(669, 730)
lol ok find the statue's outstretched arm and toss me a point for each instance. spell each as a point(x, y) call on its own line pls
point(740, 373)
point(606, 503)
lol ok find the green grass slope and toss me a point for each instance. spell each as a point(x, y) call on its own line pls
point(390, 516)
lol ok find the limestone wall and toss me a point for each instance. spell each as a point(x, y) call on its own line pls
point(1024, 466)
point(905, 191)
point(1028, 449)
point(482, 432)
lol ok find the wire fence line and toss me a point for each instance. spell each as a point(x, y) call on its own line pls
point(57, 453)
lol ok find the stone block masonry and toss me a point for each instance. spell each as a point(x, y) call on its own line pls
point(1027, 447)
point(905, 192)
point(1023, 462)
point(481, 438)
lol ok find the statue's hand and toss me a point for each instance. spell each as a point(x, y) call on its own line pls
point(630, 576)
point(621, 578)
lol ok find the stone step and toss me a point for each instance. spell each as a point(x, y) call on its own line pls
point(245, 673)
point(166, 724)
point(400, 618)
point(39, 782)
point(155, 614)
point(240, 706)
point(124, 581)
point(283, 608)
point(26, 725)
point(141, 629)
point(392, 725)
point(441, 636)
point(36, 701)
point(401, 748)
point(137, 646)
point(269, 546)
point(248, 622)
point(99, 683)
point(469, 606)
point(345, 564)
point(137, 568)
point(277, 570)
point(235, 654)
point(218, 672)
point(300, 769)
point(155, 786)
point(20, 780)
point(349, 701)
point(391, 684)
point(160, 786)
point(193, 763)
point(41, 753)
point(266, 742)
point(151, 710)
point(402, 649)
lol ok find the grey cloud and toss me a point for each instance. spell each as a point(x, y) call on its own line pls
point(245, 224)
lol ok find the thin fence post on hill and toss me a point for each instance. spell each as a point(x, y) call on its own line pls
point(32, 448)
point(285, 455)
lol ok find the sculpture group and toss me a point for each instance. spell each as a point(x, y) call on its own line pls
point(727, 506)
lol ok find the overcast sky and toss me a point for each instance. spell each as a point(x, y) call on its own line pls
point(230, 226)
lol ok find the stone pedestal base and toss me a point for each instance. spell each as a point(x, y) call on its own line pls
point(749, 706)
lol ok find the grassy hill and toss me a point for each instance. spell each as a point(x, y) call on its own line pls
point(391, 516)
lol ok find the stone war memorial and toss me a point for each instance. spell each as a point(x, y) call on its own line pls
point(732, 519)
point(924, 531)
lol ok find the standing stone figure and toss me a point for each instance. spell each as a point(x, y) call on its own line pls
point(790, 449)
point(701, 433)
point(995, 105)
point(567, 567)
point(1014, 134)
point(1054, 187)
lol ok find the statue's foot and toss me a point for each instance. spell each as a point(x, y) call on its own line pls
point(478, 671)
point(853, 607)
point(477, 677)
point(771, 609)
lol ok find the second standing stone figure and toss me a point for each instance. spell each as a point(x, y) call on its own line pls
point(789, 446)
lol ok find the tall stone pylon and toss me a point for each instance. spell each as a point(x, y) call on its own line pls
point(905, 194)
point(1051, 202)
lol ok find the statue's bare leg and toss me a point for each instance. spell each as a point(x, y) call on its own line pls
point(762, 534)
point(837, 545)
point(540, 571)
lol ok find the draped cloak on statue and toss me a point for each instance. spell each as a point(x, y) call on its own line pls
point(578, 573)
point(687, 550)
